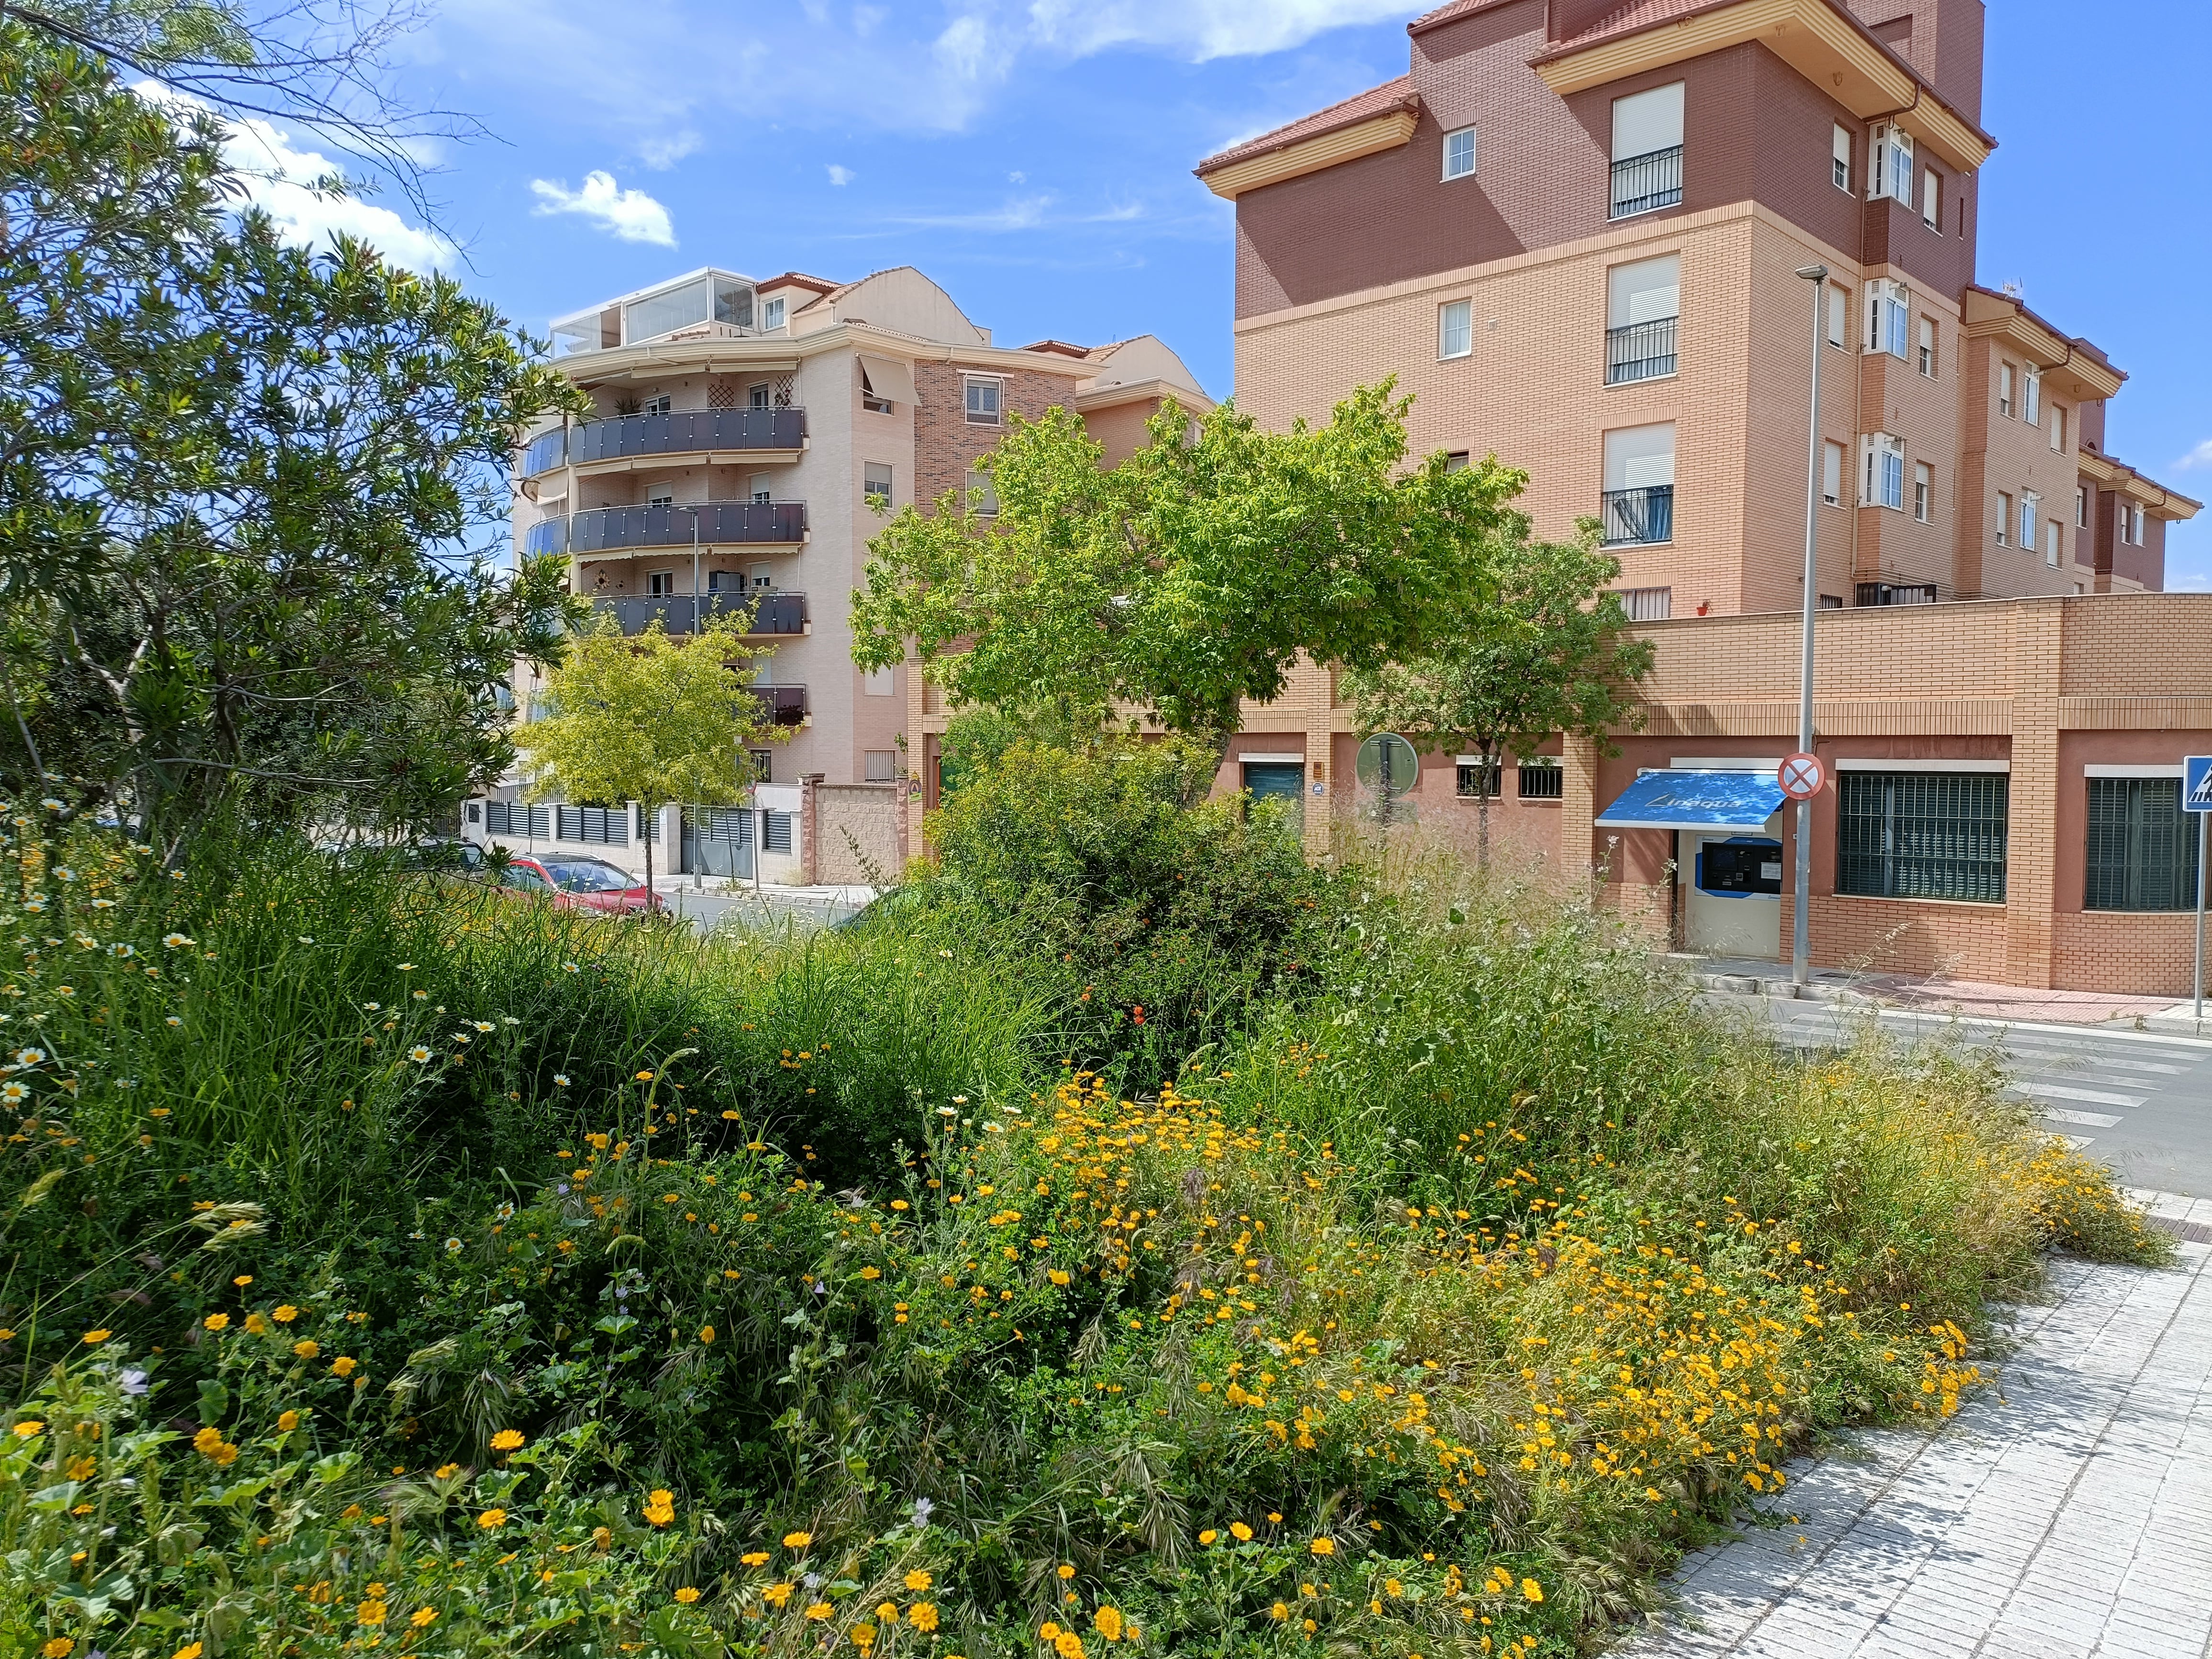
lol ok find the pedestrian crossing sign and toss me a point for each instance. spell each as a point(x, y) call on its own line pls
point(2196, 784)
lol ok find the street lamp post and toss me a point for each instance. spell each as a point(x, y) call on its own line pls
point(1800, 935)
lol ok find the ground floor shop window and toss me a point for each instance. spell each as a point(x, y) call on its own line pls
point(1922, 835)
point(2142, 846)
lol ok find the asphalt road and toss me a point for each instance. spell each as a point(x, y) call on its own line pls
point(2141, 1101)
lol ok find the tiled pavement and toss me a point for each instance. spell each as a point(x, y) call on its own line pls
point(2065, 1514)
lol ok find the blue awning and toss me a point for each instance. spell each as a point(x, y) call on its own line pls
point(1695, 800)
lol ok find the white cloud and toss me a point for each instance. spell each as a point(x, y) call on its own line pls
point(1199, 29)
point(1018, 177)
point(2198, 456)
point(840, 176)
point(291, 185)
point(661, 151)
point(630, 216)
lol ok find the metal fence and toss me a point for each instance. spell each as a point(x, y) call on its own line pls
point(1638, 516)
point(513, 817)
point(2142, 846)
point(1922, 835)
point(603, 826)
point(1641, 183)
point(1640, 351)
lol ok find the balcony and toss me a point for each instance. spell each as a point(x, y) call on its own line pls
point(1640, 351)
point(1635, 518)
point(774, 612)
point(611, 446)
point(784, 705)
point(1643, 183)
point(721, 523)
point(547, 536)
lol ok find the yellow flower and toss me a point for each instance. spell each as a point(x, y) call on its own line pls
point(82, 1469)
point(217, 1322)
point(1240, 1532)
point(1065, 1570)
point(917, 1580)
point(797, 1540)
point(864, 1637)
point(257, 1325)
point(922, 1616)
point(819, 1610)
point(371, 1613)
point(871, 1272)
point(60, 1648)
point(1279, 1613)
point(423, 1618)
point(707, 1334)
point(687, 1595)
point(1107, 1621)
point(507, 1440)
point(1069, 1646)
point(492, 1519)
point(1324, 1547)
point(1532, 1589)
point(91, 1339)
point(888, 1612)
point(645, 1077)
point(446, 1471)
point(285, 1315)
point(1048, 1630)
point(660, 1507)
point(776, 1595)
point(1056, 1276)
point(190, 1650)
point(287, 1421)
point(1208, 1536)
point(755, 1557)
point(343, 1365)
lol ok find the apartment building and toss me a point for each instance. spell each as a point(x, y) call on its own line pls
point(748, 438)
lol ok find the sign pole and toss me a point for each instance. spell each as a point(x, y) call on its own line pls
point(1801, 922)
point(2203, 841)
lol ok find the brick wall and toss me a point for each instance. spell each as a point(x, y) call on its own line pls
point(944, 444)
point(856, 837)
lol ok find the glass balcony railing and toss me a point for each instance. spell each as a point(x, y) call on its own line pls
point(721, 523)
point(1640, 351)
point(785, 705)
point(628, 436)
point(1635, 517)
point(547, 536)
point(773, 611)
point(1642, 183)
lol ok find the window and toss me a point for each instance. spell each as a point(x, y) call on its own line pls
point(761, 489)
point(1456, 461)
point(1456, 329)
point(654, 405)
point(1839, 315)
point(1647, 150)
point(1642, 302)
point(1889, 311)
point(2058, 428)
point(660, 498)
point(2081, 507)
point(2004, 389)
point(1639, 485)
point(2135, 537)
point(757, 395)
point(1928, 347)
point(1922, 835)
point(1924, 491)
point(1832, 602)
point(873, 401)
point(1476, 779)
point(2050, 548)
point(879, 682)
point(876, 483)
point(1459, 154)
point(1541, 779)
point(879, 766)
point(983, 401)
point(1885, 472)
point(772, 314)
point(661, 583)
point(1840, 167)
point(763, 764)
point(1648, 603)
point(2142, 846)
point(1931, 201)
point(1879, 594)
point(2031, 398)
point(2030, 505)
point(1831, 474)
point(1889, 164)
point(982, 495)
point(2004, 517)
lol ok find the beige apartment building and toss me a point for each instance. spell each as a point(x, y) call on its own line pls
point(747, 439)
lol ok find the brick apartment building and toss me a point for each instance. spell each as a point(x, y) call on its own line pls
point(746, 439)
point(1572, 230)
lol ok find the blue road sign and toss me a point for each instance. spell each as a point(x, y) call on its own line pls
point(2197, 783)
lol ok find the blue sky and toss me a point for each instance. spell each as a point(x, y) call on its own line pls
point(1035, 156)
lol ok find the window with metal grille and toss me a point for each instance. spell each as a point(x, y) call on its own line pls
point(2142, 846)
point(776, 832)
point(1477, 779)
point(1922, 835)
point(1542, 780)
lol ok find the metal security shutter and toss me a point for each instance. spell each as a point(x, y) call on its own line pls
point(776, 836)
point(1922, 835)
point(2142, 846)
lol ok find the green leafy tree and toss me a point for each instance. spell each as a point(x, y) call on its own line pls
point(652, 718)
point(1188, 578)
point(1550, 653)
point(250, 496)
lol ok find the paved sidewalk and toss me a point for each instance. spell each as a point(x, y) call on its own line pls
point(1971, 997)
point(2065, 1514)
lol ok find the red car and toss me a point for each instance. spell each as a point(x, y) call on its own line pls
point(579, 884)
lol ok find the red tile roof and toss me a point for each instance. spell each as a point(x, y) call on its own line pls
point(1360, 106)
point(1445, 14)
point(1638, 15)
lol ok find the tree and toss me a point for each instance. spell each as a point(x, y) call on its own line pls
point(249, 496)
point(1549, 655)
point(650, 719)
point(1189, 578)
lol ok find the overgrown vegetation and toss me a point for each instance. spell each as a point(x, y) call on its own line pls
point(394, 1264)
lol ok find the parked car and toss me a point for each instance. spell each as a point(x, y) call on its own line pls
point(579, 884)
